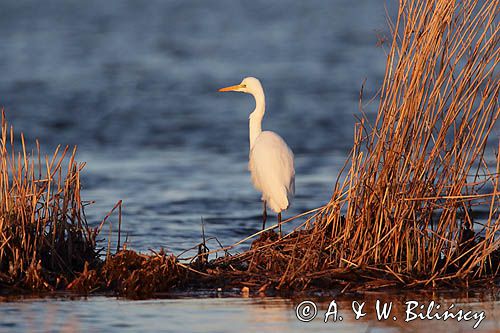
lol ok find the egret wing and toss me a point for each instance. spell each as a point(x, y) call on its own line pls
point(272, 169)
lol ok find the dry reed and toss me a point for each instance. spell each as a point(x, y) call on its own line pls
point(44, 237)
point(404, 214)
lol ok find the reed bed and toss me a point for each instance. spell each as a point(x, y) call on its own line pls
point(405, 210)
point(421, 172)
point(44, 236)
point(416, 205)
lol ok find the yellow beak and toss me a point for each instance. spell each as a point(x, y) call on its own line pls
point(231, 88)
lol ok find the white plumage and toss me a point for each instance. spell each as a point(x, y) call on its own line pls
point(270, 159)
point(271, 166)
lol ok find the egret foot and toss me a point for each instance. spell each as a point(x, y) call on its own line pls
point(279, 224)
point(264, 216)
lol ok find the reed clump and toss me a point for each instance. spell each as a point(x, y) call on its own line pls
point(44, 236)
point(405, 211)
point(134, 275)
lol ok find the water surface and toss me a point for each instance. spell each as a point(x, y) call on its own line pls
point(134, 85)
point(218, 313)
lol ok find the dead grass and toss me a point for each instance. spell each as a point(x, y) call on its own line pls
point(403, 213)
point(44, 237)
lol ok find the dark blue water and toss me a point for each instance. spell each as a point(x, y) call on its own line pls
point(133, 84)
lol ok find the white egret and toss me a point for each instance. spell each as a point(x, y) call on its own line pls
point(270, 159)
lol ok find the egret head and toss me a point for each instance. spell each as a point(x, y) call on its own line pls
point(249, 85)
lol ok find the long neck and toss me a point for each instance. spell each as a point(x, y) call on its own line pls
point(255, 124)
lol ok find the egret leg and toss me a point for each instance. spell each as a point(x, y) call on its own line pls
point(279, 223)
point(264, 216)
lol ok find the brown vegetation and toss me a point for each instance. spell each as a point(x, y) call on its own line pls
point(403, 212)
point(44, 237)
